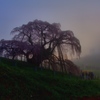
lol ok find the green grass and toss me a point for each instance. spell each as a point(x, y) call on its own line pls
point(21, 81)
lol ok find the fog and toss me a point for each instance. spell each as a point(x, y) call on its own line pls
point(82, 17)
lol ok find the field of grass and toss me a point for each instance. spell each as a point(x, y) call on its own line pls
point(21, 81)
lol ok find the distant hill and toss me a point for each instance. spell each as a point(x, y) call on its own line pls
point(92, 61)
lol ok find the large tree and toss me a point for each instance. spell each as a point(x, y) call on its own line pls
point(45, 42)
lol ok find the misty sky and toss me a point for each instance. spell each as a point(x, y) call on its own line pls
point(80, 16)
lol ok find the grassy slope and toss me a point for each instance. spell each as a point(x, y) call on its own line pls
point(20, 81)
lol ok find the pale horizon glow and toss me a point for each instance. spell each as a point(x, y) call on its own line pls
point(80, 16)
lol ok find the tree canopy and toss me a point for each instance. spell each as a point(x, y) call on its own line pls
point(43, 41)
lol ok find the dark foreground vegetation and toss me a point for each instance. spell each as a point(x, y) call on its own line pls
point(22, 81)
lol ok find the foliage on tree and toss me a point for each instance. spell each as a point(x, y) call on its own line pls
point(45, 42)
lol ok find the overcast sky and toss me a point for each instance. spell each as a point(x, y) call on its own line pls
point(80, 16)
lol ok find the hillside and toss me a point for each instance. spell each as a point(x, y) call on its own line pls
point(21, 81)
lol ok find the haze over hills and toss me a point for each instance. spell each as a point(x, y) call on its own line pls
point(90, 61)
